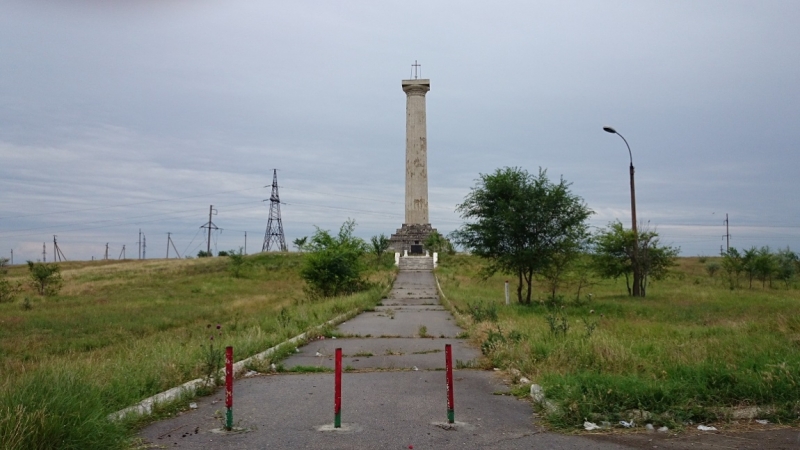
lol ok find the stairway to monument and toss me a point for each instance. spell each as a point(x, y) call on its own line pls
point(416, 263)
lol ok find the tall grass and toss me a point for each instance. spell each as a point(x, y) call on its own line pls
point(122, 331)
point(693, 350)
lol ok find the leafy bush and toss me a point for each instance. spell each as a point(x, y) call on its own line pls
point(203, 254)
point(8, 290)
point(45, 278)
point(333, 266)
point(712, 268)
point(237, 262)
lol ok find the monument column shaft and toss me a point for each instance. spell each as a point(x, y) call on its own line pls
point(416, 152)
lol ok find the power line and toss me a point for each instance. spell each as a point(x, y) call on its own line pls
point(125, 204)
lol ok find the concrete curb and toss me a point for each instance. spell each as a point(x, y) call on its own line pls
point(145, 407)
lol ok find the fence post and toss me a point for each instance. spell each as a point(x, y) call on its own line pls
point(337, 408)
point(448, 355)
point(507, 299)
point(229, 388)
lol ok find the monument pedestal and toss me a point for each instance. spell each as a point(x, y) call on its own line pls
point(411, 237)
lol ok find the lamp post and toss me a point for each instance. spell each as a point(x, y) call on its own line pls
point(635, 256)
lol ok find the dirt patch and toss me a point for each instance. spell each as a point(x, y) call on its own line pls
point(772, 438)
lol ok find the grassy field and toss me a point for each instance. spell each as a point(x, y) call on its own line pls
point(692, 351)
point(120, 331)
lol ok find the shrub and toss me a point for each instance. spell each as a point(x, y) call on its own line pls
point(8, 290)
point(712, 268)
point(333, 266)
point(237, 262)
point(45, 278)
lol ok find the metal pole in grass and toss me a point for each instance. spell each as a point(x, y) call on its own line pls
point(337, 406)
point(448, 356)
point(229, 388)
point(637, 273)
point(507, 299)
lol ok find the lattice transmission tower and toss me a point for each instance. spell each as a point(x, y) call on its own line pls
point(273, 237)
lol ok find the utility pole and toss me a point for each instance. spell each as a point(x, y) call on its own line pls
point(210, 225)
point(170, 242)
point(245, 242)
point(122, 252)
point(727, 235)
point(58, 255)
point(44, 252)
point(106, 255)
point(140, 243)
point(274, 233)
point(144, 246)
point(12, 256)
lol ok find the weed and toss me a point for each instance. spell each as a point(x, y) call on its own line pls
point(425, 352)
point(26, 304)
point(559, 325)
point(363, 354)
point(213, 356)
point(493, 340)
point(423, 331)
point(483, 311)
point(349, 368)
point(469, 364)
point(284, 318)
point(309, 369)
point(590, 326)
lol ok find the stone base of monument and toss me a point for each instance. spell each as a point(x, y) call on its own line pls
point(411, 238)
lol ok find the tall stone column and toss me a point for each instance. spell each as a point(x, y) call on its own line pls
point(411, 236)
point(416, 152)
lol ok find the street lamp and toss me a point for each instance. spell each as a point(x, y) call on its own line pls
point(635, 256)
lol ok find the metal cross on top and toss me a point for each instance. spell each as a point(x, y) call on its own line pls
point(416, 67)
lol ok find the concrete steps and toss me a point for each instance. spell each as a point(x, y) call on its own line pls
point(416, 263)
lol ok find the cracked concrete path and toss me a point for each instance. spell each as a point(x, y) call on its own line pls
point(395, 397)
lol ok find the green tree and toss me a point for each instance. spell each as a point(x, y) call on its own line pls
point(436, 242)
point(554, 273)
point(787, 262)
point(521, 223)
point(333, 265)
point(300, 243)
point(613, 255)
point(733, 266)
point(749, 265)
point(380, 244)
point(45, 278)
point(766, 266)
point(8, 290)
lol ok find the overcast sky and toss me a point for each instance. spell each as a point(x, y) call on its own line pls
point(118, 116)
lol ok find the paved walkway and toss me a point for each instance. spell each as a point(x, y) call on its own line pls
point(395, 398)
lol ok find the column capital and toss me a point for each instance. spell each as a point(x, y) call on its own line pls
point(416, 87)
